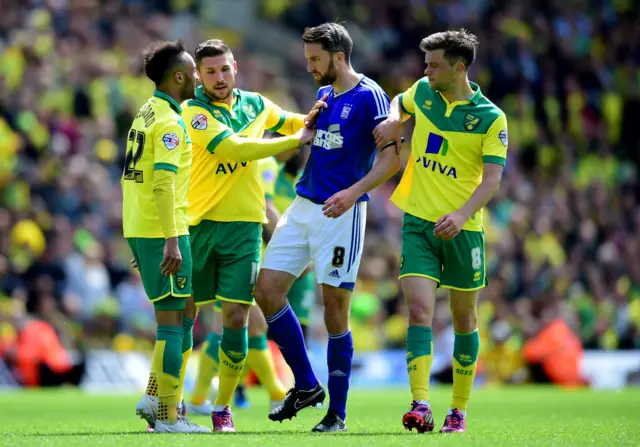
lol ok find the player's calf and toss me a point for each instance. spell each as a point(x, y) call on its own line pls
point(339, 353)
point(232, 352)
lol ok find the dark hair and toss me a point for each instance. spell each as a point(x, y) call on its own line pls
point(458, 45)
point(211, 48)
point(161, 57)
point(333, 37)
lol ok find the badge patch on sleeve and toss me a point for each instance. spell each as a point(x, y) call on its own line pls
point(503, 137)
point(199, 122)
point(268, 176)
point(170, 140)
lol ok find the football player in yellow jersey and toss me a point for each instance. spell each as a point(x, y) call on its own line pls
point(259, 357)
point(155, 182)
point(458, 153)
point(226, 200)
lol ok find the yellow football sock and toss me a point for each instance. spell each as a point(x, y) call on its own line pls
point(167, 361)
point(419, 358)
point(259, 359)
point(187, 346)
point(207, 369)
point(152, 384)
point(232, 352)
point(465, 356)
point(183, 373)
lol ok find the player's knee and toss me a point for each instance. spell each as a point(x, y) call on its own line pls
point(257, 323)
point(268, 294)
point(420, 311)
point(234, 315)
point(190, 309)
point(464, 320)
point(464, 311)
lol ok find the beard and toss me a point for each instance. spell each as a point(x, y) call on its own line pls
point(213, 94)
point(329, 77)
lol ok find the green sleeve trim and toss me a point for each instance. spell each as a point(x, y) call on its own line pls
point(268, 196)
point(493, 159)
point(218, 139)
point(165, 167)
point(279, 124)
point(402, 105)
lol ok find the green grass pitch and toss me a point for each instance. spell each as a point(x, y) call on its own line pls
point(497, 417)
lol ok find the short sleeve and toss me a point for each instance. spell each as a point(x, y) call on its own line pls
point(169, 141)
point(204, 130)
point(495, 142)
point(407, 99)
point(378, 106)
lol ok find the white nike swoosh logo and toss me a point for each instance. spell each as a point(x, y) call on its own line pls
point(302, 403)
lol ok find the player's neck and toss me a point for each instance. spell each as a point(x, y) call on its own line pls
point(346, 81)
point(459, 92)
point(168, 91)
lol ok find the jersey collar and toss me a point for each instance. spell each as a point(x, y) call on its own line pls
point(348, 90)
point(201, 96)
point(172, 102)
point(475, 99)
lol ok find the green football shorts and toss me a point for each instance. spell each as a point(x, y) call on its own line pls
point(457, 264)
point(166, 292)
point(226, 257)
point(302, 295)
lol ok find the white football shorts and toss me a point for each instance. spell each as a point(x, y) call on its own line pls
point(304, 235)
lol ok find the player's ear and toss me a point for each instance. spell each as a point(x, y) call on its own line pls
point(235, 67)
point(178, 77)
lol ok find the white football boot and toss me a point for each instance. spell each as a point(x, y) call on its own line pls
point(147, 409)
point(180, 426)
point(203, 409)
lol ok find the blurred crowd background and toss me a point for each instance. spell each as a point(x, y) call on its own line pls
point(563, 233)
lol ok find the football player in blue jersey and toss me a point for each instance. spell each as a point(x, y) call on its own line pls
point(325, 223)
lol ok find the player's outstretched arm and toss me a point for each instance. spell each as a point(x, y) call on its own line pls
point(391, 128)
point(288, 123)
point(238, 149)
point(449, 225)
point(386, 164)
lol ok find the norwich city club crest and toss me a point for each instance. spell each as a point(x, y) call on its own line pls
point(181, 282)
point(471, 122)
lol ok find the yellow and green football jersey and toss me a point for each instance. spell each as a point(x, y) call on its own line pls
point(268, 172)
point(157, 140)
point(285, 190)
point(450, 143)
point(221, 190)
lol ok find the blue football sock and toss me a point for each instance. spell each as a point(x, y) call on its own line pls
point(339, 356)
point(285, 329)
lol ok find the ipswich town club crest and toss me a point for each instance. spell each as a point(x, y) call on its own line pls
point(345, 111)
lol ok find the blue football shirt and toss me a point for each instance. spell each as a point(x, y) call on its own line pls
point(344, 148)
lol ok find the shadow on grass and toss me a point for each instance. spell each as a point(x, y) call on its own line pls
point(242, 433)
